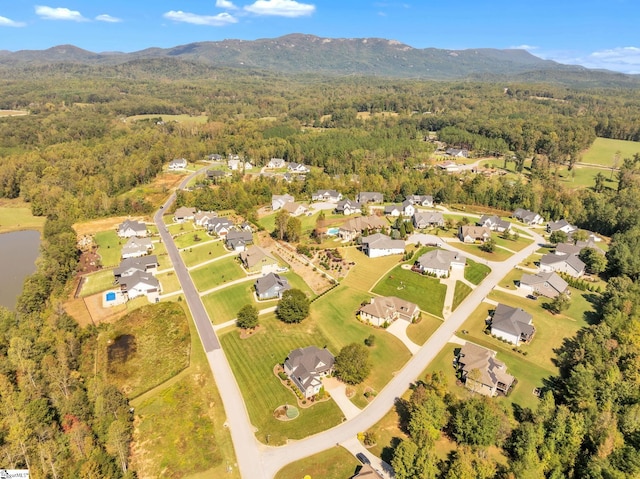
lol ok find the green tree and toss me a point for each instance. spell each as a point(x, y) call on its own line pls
point(247, 317)
point(293, 307)
point(558, 237)
point(294, 230)
point(413, 462)
point(488, 246)
point(282, 219)
point(560, 303)
point(476, 422)
point(595, 261)
point(352, 363)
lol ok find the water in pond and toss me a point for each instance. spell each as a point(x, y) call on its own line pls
point(18, 253)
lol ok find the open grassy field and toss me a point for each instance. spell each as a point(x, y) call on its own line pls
point(167, 118)
point(16, 215)
point(97, 282)
point(513, 244)
point(603, 151)
point(197, 446)
point(201, 253)
point(217, 273)
point(498, 254)
point(195, 238)
point(224, 305)
point(584, 177)
point(428, 293)
point(475, 272)
point(169, 282)
point(420, 332)
point(253, 359)
point(461, 292)
point(109, 247)
point(146, 347)
point(335, 463)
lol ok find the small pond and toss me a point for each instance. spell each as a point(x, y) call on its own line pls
point(18, 253)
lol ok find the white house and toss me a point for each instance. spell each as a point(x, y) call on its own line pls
point(562, 263)
point(139, 284)
point(276, 163)
point(512, 324)
point(184, 213)
point(440, 262)
point(331, 196)
point(426, 219)
point(178, 164)
point(348, 207)
point(527, 217)
point(129, 228)
point(385, 310)
point(561, 225)
point(278, 201)
point(378, 245)
point(136, 247)
point(306, 368)
point(546, 284)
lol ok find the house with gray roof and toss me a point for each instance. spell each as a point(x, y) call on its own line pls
point(348, 207)
point(307, 366)
point(276, 163)
point(219, 226)
point(457, 152)
point(421, 200)
point(215, 174)
point(331, 196)
point(278, 201)
point(379, 244)
point(494, 223)
point(527, 217)
point(139, 284)
point(295, 209)
point(384, 310)
point(408, 209)
point(256, 260)
point(201, 218)
point(298, 168)
point(130, 228)
point(512, 324)
point(136, 247)
point(427, 219)
point(128, 266)
point(178, 164)
point(365, 197)
point(271, 286)
point(184, 213)
point(393, 210)
point(549, 284)
point(561, 225)
point(238, 240)
point(439, 262)
point(482, 372)
point(562, 263)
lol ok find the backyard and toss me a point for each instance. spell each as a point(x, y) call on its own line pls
point(412, 286)
point(109, 247)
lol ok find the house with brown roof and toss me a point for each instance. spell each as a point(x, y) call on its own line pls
point(549, 284)
point(256, 260)
point(482, 372)
point(427, 219)
point(512, 324)
point(385, 310)
point(307, 366)
point(184, 213)
point(354, 227)
point(472, 234)
point(295, 209)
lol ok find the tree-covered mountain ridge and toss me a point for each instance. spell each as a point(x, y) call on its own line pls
point(300, 53)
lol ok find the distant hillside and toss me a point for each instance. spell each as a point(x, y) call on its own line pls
point(299, 53)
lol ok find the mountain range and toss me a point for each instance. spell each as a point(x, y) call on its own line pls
point(304, 54)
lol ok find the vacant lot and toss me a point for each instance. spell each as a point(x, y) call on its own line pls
point(201, 253)
point(420, 332)
point(335, 462)
point(109, 247)
point(217, 273)
point(224, 305)
point(498, 254)
point(16, 215)
point(428, 293)
point(604, 150)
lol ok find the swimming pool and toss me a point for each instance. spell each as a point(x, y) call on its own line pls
point(333, 231)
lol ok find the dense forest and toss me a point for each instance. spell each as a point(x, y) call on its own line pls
point(76, 155)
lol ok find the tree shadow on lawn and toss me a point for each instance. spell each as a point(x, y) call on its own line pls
point(595, 300)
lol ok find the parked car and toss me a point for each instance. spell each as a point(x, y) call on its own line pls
point(363, 459)
point(531, 296)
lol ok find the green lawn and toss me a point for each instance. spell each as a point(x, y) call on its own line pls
point(475, 272)
point(98, 281)
point(603, 151)
point(109, 247)
point(428, 293)
point(224, 305)
point(192, 238)
point(334, 463)
point(584, 176)
point(498, 254)
point(253, 360)
point(169, 282)
point(14, 218)
point(159, 249)
point(513, 244)
point(205, 252)
point(217, 273)
point(420, 332)
point(179, 229)
point(509, 281)
point(461, 292)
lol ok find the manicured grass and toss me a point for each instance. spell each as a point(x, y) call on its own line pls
point(603, 151)
point(201, 253)
point(475, 272)
point(584, 176)
point(461, 292)
point(169, 282)
point(367, 270)
point(161, 347)
point(513, 244)
point(190, 238)
point(109, 247)
point(17, 216)
point(428, 293)
point(196, 446)
point(159, 249)
point(509, 281)
point(332, 463)
point(253, 360)
point(224, 305)
point(498, 254)
point(179, 229)
point(217, 273)
point(420, 332)
point(98, 281)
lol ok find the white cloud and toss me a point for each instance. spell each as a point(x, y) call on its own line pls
point(50, 13)
point(619, 59)
point(226, 4)
point(108, 18)
point(280, 8)
point(212, 20)
point(523, 47)
point(7, 22)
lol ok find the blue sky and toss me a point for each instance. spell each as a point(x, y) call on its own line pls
point(593, 33)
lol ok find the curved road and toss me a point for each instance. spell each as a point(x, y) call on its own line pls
point(257, 461)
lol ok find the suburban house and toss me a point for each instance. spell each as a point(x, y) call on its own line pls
point(471, 234)
point(219, 226)
point(549, 284)
point(348, 207)
point(562, 263)
point(215, 174)
point(365, 197)
point(378, 245)
point(201, 218)
point(278, 201)
point(393, 210)
point(512, 324)
point(234, 164)
point(136, 247)
point(178, 164)
point(248, 165)
point(482, 372)
point(528, 217)
point(146, 264)
point(568, 248)
point(139, 284)
point(214, 157)
point(448, 166)
point(332, 196)
point(354, 227)
point(385, 310)
point(256, 260)
point(408, 209)
point(238, 240)
point(420, 200)
point(561, 225)
point(298, 168)
point(271, 286)
point(439, 262)
point(427, 219)
point(183, 214)
point(295, 209)
point(276, 163)
point(130, 228)
point(307, 366)
point(457, 152)
point(494, 223)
